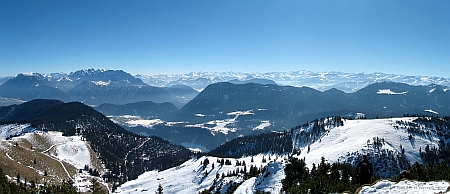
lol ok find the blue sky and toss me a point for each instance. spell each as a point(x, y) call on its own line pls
point(170, 37)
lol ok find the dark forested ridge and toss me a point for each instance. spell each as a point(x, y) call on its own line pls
point(288, 105)
point(144, 109)
point(275, 142)
point(280, 143)
point(125, 154)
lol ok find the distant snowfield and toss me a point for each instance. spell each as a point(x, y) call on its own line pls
point(135, 121)
point(195, 147)
point(263, 125)
point(101, 83)
point(388, 91)
point(227, 125)
point(144, 123)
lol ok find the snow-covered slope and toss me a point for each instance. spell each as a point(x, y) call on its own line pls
point(390, 144)
point(69, 149)
point(192, 177)
point(11, 130)
point(55, 157)
point(358, 137)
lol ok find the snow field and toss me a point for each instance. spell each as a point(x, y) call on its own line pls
point(190, 177)
point(9, 130)
point(357, 136)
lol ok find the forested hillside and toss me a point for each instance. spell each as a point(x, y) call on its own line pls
point(125, 154)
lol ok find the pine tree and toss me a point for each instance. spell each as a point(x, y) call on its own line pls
point(96, 188)
point(160, 189)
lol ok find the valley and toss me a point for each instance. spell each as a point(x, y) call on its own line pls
point(221, 132)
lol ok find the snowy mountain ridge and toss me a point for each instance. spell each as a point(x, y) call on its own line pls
point(377, 138)
point(347, 82)
point(392, 145)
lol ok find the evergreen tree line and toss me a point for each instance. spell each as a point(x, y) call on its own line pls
point(8, 187)
point(240, 170)
point(279, 143)
point(340, 177)
point(426, 126)
point(323, 178)
point(310, 132)
point(430, 171)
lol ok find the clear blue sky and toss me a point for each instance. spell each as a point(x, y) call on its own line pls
point(167, 37)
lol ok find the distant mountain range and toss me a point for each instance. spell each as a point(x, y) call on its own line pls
point(97, 86)
point(346, 82)
point(231, 104)
point(238, 118)
point(224, 110)
point(93, 87)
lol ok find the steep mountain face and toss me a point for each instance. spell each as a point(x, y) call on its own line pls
point(112, 86)
point(95, 94)
point(31, 86)
point(125, 154)
point(347, 82)
point(93, 87)
point(113, 78)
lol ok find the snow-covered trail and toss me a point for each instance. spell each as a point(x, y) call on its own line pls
point(55, 158)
